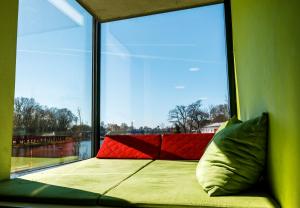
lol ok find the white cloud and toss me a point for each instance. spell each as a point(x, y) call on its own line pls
point(194, 69)
point(179, 87)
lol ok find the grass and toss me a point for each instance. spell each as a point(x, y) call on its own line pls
point(25, 163)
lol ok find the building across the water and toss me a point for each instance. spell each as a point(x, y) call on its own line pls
point(211, 128)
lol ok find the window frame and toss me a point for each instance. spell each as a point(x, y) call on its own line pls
point(231, 84)
point(32, 170)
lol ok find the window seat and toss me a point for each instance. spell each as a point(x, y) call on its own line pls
point(124, 183)
point(77, 183)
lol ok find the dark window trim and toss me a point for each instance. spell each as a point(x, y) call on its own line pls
point(97, 71)
point(230, 59)
point(96, 87)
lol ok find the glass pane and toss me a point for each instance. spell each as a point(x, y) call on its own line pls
point(52, 116)
point(164, 73)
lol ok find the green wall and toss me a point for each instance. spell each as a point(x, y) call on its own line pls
point(266, 35)
point(266, 39)
point(8, 39)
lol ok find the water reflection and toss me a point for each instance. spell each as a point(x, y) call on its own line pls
point(81, 148)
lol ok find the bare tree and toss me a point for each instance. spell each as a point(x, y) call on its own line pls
point(197, 117)
point(179, 116)
point(64, 119)
point(32, 118)
point(189, 118)
point(219, 113)
point(26, 113)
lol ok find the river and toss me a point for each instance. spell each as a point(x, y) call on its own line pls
point(81, 148)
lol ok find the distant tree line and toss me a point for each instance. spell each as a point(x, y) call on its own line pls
point(184, 119)
point(193, 117)
point(124, 128)
point(32, 118)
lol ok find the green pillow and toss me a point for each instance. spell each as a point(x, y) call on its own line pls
point(231, 121)
point(235, 158)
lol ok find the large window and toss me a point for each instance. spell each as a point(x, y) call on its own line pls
point(164, 73)
point(52, 116)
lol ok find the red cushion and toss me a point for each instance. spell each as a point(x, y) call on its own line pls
point(184, 146)
point(130, 147)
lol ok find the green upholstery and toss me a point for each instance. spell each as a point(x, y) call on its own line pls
point(31, 191)
point(94, 175)
point(174, 184)
point(76, 183)
point(235, 158)
point(127, 183)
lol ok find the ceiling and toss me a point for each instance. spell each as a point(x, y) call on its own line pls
point(110, 10)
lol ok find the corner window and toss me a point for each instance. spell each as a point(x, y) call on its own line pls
point(165, 73)
point(52, 114)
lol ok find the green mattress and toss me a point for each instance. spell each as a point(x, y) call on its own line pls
point(124, 183)
point(77, 183)
point(174, 184)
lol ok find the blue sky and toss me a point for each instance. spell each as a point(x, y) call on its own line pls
point(54, 57)
point(148, 65)
point(151, 64)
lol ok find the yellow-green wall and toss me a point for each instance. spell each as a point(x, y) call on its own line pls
point(266, 39)
point(8, 39)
